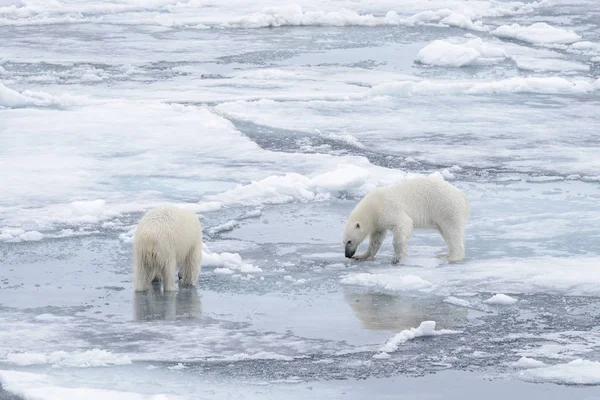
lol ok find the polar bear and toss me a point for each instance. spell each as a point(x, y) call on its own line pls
point(424, 202)
point(166, 237)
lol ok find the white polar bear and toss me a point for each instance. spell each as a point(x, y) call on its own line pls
point(167, 236)
point(425, 202)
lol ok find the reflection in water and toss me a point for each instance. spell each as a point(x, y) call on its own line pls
point(378, 311)
point(156, 304)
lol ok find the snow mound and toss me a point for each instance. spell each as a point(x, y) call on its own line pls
point(346, 139)
point(449, 53)
point(293, 15)
point(42, 387)
point(538, 33)
point(10, 98)
point(550, 65)
point(501, 299)
point(535, 85)
point(387, 282)
point(225, 227)
point(279, 189)
point(89, 211)
point(86, 359)
point(526, 362)
point(227, 261)
point(426, 328)
point(455, 301)
point(576, 372)
point(15, 235)
point(444, 53)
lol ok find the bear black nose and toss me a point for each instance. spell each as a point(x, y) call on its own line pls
point(349, 251)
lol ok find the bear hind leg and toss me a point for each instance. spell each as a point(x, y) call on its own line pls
point(168, 273)
point(454, 238)
point(143, 273)
point(190, 270)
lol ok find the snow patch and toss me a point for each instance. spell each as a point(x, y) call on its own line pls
point(10, 98)
point(230, 261)
point(89, 211)
point(501, 299)
point(42, 387)
point(457, 302)
point(576, 372)
point(538, 33)
point(526, 362)
point(387, 282)
point(550, 65)
point(452, 53)
point(537, 85)
point(279, 189)
point(225, 227)
point(426, 328)
point(86, 359)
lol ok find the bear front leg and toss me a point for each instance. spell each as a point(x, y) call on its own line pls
point(402, 232)
point(375, 242)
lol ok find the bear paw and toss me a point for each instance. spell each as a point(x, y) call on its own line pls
point(396, 260)
point(362, 258)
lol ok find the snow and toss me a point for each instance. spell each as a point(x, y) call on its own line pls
point(443, 53)
point(526, 362)
point(225, 227)
point(538, 85)
point(227, 262)
point(553, 65)
point(426, 328)
point(280, 189)
point(457, 302)
point(576, 372)
point(271, 120)
point(449, 53)
point(386, 282)
point(538, 33)
point(85, 359)
point(43, 387)
point(501, 299)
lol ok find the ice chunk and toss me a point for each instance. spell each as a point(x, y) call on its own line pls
point(526, 362)
point(387, 282)
point(225, 227)
point(501, 299)
point(457, 302)
point(538, 33)
point(89, 358)
point(549, 64)
point(231, 261)
point(88, 209)
point(576, 372)
point(443, 53)
point(541, 85)
point(426, 328)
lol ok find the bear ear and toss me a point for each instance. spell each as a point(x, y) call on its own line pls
point(358, 225)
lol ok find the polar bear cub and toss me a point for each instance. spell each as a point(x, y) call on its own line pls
point(424, 202)
point(166, 237)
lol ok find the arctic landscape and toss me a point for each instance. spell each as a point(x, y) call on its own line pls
point(271, 120)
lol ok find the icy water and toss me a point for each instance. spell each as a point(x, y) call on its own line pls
point(271, 120)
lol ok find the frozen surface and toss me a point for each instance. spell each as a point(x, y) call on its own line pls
point(270, 120)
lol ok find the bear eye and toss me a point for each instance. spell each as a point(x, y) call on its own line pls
point(349, 241)
point(357, 225)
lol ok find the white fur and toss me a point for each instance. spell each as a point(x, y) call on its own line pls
point(428, 203)
point(166, 237)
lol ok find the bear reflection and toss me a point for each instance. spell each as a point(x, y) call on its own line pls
point(155, 304)
point(378, 311)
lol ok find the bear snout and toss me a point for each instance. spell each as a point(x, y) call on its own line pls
point(349, 251)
